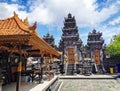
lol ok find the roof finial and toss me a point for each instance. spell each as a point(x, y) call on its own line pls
point(26, 21)
point(15, 14)
point(34, 26)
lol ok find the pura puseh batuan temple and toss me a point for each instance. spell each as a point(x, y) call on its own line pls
point(76, 58)
point(70, 44)
point(20, 41)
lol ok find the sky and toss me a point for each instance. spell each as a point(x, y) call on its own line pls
point(102, 15)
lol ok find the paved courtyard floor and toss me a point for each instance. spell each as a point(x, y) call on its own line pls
point(35, 86)
point(75, 83)
point(90, 85)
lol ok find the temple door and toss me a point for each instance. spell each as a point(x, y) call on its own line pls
point(97, 57)
point(71, 55)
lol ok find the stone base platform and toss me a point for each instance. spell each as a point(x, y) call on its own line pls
point(87, 77)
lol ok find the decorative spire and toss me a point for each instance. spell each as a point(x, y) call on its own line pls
point(48, 35)
point(69, 15)
point(15, 14)
point(94, 31)
point(26, 21)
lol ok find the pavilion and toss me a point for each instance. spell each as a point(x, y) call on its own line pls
point(18, 41)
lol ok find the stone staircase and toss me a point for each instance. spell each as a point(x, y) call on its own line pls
point(70, 69)
point(98, 69)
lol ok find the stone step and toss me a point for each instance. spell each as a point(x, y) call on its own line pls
point(70, 69)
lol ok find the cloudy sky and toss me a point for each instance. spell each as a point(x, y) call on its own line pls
point(102, 15)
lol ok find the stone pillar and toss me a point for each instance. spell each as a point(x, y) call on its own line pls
point(92, 56)
point(0, 86)
point(101, 58)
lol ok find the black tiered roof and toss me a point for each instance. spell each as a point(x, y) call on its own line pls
point(95, 40)
point(94, 33)
point(48, 36)
point(49, 39)
point(70, 34)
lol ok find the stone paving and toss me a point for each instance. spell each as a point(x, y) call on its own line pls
point(90, 85)
point(75, 83)
point(23, 87)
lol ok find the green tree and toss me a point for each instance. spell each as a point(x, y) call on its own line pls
point(114, 49)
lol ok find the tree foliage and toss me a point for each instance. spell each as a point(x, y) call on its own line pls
point(114, 48)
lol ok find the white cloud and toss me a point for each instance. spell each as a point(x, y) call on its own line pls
point(108, 32)
point(52, 13)
point(6, 10)
point(115, 21)
point(41, 14)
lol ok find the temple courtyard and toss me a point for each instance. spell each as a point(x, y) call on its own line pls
point(73, 83)
point(29, 62)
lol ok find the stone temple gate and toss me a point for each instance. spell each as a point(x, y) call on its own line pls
point(78, 58)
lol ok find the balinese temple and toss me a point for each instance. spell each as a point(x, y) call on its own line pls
point(70, 44)
point(18, 41)
point(95, 45)
point(49, 39)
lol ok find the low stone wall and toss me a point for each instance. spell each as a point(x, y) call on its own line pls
point(88, 77)
point(51, 85)
point(54, 86)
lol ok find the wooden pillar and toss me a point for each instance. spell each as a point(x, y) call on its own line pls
point(47, 61)
point(8, 68)
point(19, 70)
point(41, 64)
point(51, 61)
point(51, 57)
